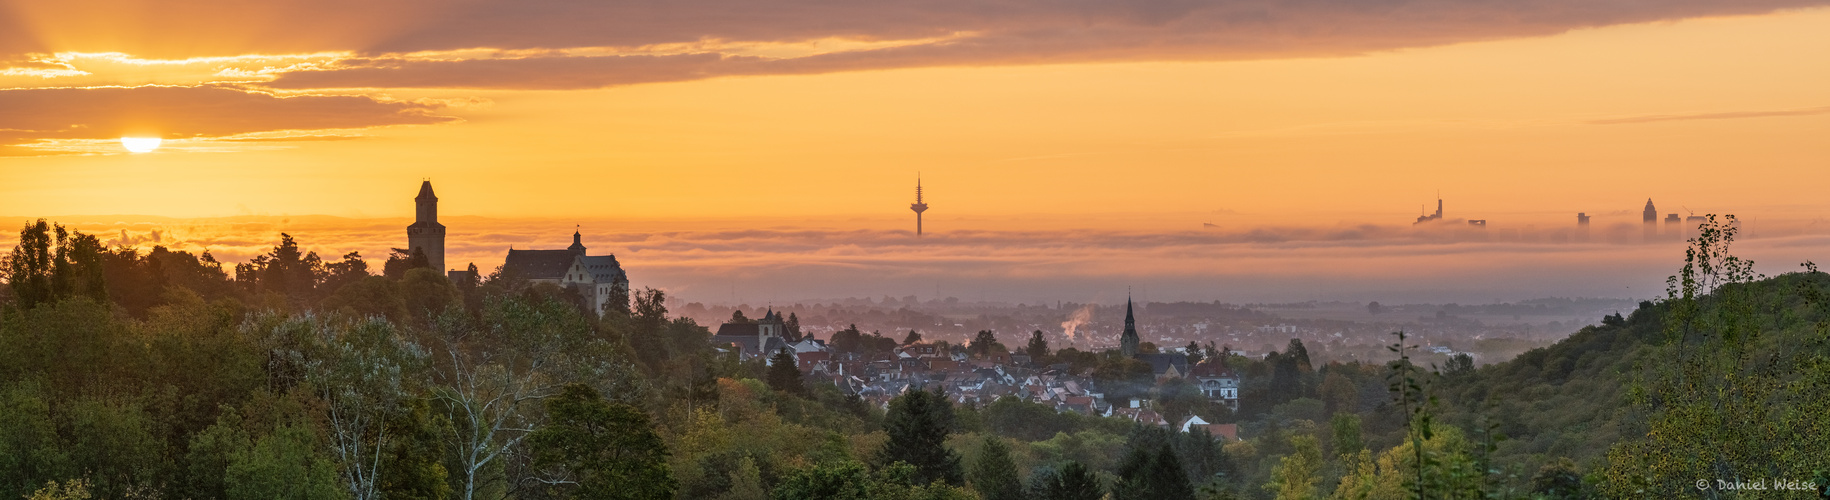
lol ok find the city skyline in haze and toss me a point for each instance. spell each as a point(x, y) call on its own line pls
point(747, 150)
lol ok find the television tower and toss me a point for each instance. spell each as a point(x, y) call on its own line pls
point(918, 206)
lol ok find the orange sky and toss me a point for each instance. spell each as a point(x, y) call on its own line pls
point(1129, 116)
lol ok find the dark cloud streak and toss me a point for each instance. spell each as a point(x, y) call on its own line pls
point(189, 112)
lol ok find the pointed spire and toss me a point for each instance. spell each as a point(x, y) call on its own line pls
point(425, 191)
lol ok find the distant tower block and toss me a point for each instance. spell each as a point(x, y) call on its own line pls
point(426, 234)
point(1582, 226)
point(918, 206)
point(1692, 225)
point(1650, 216)
point(1674, 227)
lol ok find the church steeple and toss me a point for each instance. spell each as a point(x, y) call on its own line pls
point(578, 245)
point(1127, 342)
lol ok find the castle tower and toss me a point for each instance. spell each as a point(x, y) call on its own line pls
point(426, 234)
point(1650, 216)
point(918, 206)
point(578, 245)
point(1127, 342)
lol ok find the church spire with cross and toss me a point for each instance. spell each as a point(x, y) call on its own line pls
point(1128, 341)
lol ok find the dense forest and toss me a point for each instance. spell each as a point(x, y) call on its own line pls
point(163, 374)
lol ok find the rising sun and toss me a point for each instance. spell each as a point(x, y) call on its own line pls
point(140, 144)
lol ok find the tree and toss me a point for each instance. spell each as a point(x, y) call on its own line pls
point(1038, 346)
point(412, 464)
point(847, 340)
point(984, 343)
point(603, 449)
point(487, 374)
point(918, 423)
point(784, 375)
point(282, 465)
point(1339, 394)
point(1071, 482)
point(911, 338)
point(994, 475)
point(359, 371)
point(1152, 474)
point(793, 327)
point(51, 263)
point(1459, 364)
point(1346, 428)
point(1294, 477)
point(400, 260)
point(1193, 351)
point(1374, 308)
point(1558, 480)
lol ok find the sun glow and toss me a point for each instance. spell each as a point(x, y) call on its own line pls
point(140, 144)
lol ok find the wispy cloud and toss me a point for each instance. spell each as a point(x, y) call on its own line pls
point(590, 44)
point(1711, 116)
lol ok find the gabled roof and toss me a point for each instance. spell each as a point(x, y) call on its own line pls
point(538, 264)
point(604, 268)
point(747, 329)
point(1161, 362)
point(1213, 369)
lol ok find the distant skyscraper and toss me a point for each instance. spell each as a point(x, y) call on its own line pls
point(426, 234)
point(1691, 224)
point(1674, 227)
point(918, 206)
point(1582, 226)
point(1432, 217)
point(1650, 216)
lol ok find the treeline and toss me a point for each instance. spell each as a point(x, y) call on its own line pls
point(163, 374)
point(1722, 381)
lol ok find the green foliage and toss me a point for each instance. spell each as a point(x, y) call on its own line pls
point(1151, 474)
point(282, 465)
point(1295, 476)
point(1737, 391)
point(29, 450)
point(412, 462)
point(918, 423)
point(74, 489)
point(1072, 481)
point(1347, 430)
point(852, 481)
point(1558, 480)
point(602, 449)
point(784, 375)
point(993, 474)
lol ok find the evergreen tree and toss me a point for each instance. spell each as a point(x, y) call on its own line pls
point(784, 375)
point(911, 338)
point(793, 327)
point(1038, 346)
point(608, 450)
point(984, 342)
point(1071, 482)
point(918, 423)
point(994, 474)
point(1152, 472)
